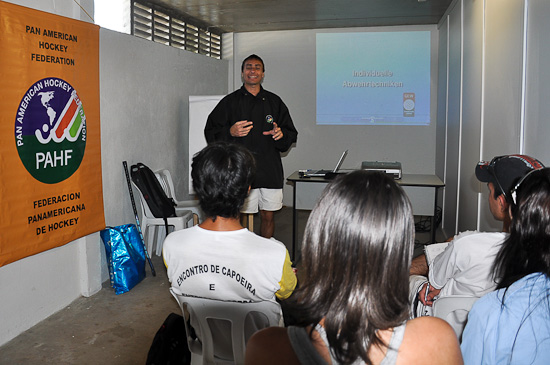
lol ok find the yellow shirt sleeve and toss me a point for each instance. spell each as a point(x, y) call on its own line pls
point(288, 280)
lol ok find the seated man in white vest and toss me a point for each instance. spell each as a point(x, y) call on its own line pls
point(219, 259)
point(463, 266)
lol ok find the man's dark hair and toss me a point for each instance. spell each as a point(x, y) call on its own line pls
point(253, 57)
point(356, 255)
point(222, 173)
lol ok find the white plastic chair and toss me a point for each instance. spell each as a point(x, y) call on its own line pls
point(181, 221)
point(215, 322)
point(167, 184)
point(454, 309)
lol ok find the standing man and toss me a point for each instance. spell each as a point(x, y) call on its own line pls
point(259, 120)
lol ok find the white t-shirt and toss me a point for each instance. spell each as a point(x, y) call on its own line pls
point(464, 267)
point(225, 265)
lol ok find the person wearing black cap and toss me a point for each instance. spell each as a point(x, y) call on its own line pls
point(503, 172)
point(512, 324)
point(464, 266)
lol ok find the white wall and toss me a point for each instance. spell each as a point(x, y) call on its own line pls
point(144, 90)
point(67, 8)
point(449, 119)
point(537, 75)
point(289, 58)
point(495, 89)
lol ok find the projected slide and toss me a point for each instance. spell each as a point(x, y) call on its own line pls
point(373, 78)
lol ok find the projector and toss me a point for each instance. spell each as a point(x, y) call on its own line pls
point(391, 168)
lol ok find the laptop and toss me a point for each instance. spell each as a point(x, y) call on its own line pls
point(324, 173)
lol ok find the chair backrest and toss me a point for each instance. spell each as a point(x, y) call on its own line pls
point(165, 177)
point(224, 327)
point(454, 309)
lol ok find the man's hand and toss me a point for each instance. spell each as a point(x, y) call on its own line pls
point(429, 298)
point(241, 128)
point(276, 132)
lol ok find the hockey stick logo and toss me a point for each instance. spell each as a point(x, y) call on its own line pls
point(68, 125)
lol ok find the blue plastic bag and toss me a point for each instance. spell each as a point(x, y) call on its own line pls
point(125, 256)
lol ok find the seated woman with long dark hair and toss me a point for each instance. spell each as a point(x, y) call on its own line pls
point(352, 304)
point(512, 324)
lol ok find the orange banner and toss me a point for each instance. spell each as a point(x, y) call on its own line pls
point(50, 150)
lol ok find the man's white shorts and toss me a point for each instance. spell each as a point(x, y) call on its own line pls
point(265, 199)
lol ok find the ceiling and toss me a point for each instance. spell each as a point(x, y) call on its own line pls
point(267, 15)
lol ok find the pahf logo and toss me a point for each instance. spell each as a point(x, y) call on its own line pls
point(50, 130)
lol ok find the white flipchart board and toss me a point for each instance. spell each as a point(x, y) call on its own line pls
point(199, 109)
